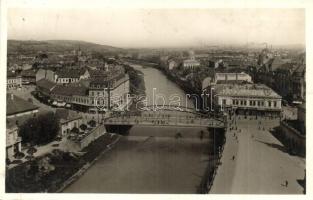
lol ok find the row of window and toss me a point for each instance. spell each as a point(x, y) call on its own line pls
point(67, 80)
point(14, 80)
point(258, 103)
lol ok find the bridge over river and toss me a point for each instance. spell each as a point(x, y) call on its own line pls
point(166, 115)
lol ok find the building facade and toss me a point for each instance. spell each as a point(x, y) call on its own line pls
point(13, 81)
point(191, 64)
point(13, 141)
point(248, 99)
point(232, 78)
point(68, 119)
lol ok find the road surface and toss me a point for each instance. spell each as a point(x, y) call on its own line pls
point(261, 163)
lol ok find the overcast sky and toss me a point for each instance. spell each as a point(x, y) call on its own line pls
point(159, 27)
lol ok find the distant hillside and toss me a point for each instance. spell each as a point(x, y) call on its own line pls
point(32, 46)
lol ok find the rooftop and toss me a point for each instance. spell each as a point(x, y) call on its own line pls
point(65, 115)
point(46, 84)
point(248, 90)
point(28, 73)
point(16, 105)
point(70, 90)
point(70, 73)
point(191, 61)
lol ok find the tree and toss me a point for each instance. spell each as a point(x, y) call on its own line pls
point(75, 130)
point(92, 123)
point(83, 127)
point(41, 129)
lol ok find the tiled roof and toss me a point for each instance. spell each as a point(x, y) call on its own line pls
point(65, 115)
point(70, 90)
point(11, 74)
point(28, 73)
point(248, 90)
point(70, 73)
point(16, 105)
point(98, 73)
point(45, 84)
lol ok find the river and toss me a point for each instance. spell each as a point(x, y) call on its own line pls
point(150, 159)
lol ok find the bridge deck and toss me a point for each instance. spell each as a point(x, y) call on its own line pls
point(180, 121)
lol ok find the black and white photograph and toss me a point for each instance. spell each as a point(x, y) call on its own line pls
point(155, 100)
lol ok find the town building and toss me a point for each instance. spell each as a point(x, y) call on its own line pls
point(70, 75)
point(172, 64)
point(45, 87)
point(18, 111)
point(298, 84)
point(247, 99)
point(292, 133)
point(45, 74)
point(28, 77)
point(14, 81)
point(89, 95)
point(13, 141)
point(68, 119)
point(191, 64)
point(232, 78)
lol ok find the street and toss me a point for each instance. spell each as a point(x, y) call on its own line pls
point(261, 164)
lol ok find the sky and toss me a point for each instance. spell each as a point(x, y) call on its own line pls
point(131, 28)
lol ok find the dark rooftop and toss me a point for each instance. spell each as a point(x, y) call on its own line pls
point(70, 90)
point(66, 115)
point(45, 83)
point(16, 105)
point(70, 72)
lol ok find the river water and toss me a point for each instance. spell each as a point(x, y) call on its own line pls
point(150, 159)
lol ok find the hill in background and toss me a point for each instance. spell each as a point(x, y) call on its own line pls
point(32, 46)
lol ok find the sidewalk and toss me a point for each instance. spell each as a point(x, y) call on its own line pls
point(261, 163)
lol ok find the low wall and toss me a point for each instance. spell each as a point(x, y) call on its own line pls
point(94, 134)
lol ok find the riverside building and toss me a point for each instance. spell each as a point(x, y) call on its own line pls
point(247, 99)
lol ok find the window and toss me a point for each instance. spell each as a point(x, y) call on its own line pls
point(259, 103)
point(245, 102)
point(234, 102)
point(269, 104)
point(224, 101)
point(275, 104)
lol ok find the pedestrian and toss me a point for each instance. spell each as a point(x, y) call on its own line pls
point(286, 183)
point(233, 158)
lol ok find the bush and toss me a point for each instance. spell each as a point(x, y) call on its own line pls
point(75, 130)
point(41, 129)
point(92, 123)
point(83, 127)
